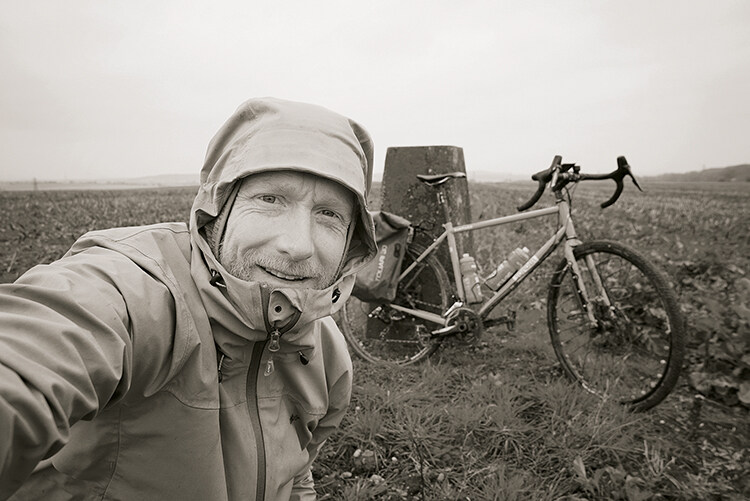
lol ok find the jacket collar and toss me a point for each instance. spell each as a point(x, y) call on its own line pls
point(251, 310)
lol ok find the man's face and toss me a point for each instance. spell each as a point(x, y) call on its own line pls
point(287, 229)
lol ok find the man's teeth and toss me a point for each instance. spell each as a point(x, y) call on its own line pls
point(283, 275)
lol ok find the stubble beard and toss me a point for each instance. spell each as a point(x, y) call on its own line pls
point(243, 267)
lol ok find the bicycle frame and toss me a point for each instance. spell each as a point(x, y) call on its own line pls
point(613, 319)
point(565, 234)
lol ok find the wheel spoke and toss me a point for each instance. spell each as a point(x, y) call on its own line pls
point(634, 353)
point(379, 333)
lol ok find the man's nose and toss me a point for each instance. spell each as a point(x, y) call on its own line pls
point(296, 237)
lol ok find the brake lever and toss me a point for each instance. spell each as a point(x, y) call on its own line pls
point(623, 170)
point(542, 178)
point(623, 164)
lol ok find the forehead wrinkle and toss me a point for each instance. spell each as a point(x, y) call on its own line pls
point(301, 183)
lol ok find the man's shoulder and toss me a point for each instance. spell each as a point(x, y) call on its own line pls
point(333, 342)
point(159, 231)
point(330, 331)
point(151, 239)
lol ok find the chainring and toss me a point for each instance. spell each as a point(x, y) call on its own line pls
point(469, 325)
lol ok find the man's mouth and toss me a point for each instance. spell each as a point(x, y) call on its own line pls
point(282, 275)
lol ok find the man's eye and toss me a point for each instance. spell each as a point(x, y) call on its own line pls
point(269, 199)
point(330, 213)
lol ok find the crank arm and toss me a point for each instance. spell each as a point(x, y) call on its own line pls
point(445, 331)
point(450, 330)
point(508, 320)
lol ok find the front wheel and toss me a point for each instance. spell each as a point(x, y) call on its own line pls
point(616, 329)
point(378, 333)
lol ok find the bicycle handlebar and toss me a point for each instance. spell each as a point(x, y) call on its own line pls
point(558, 176)
point(623, 170)
point(542, 177)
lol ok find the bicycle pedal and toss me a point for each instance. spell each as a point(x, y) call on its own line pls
point(511, 323)
point(508, 320)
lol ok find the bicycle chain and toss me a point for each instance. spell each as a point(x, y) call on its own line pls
point(382, 333)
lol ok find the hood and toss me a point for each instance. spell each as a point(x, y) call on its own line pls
point(268, 134)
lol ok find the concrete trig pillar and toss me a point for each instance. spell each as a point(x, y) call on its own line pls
point(405, 195)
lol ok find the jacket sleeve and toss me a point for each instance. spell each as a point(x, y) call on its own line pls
point(339, 398)
point(304, 487)
point(65, 353)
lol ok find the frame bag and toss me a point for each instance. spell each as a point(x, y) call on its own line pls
point(377, 281)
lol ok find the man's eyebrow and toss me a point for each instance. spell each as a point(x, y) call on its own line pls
point(344, 202)
point(264, 185)
point(339, 200)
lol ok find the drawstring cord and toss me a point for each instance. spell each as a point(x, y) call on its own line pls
point(217, 280)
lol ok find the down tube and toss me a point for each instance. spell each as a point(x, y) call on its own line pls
point(519, 276)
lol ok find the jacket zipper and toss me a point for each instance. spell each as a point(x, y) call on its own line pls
point(274, 336)
point(274, 332)
point(254, 412)
point(273, 347)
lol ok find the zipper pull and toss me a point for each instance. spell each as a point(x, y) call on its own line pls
point(273, 345)
point(269, 367)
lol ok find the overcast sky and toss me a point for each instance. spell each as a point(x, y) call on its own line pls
point(104, 89)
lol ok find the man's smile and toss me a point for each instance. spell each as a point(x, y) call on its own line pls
point(282, 275)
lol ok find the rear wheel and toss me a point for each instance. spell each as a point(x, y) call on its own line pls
point(633, 349)
point(378, 333)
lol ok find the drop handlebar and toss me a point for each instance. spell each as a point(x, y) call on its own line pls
point(558, 176)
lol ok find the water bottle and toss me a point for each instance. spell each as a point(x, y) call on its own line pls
point(507, 268)
point(470, 279)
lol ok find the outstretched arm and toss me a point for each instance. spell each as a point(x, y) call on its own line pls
point(64, 354)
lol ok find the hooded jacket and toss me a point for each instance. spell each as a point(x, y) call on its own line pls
point(136, 367)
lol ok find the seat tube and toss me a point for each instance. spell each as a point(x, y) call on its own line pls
point(452, 245)
point(453, 251)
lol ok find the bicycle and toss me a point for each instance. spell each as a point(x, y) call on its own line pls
point(613, 318)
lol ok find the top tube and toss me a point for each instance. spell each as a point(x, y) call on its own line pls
point(506, 219)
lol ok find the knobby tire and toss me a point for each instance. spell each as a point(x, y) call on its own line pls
point(634, 352)
point(380, 334)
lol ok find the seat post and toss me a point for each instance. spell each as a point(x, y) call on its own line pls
point(442, 202)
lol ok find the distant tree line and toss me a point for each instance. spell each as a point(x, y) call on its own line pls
point(733, 174)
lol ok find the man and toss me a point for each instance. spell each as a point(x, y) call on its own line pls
point(196, 362)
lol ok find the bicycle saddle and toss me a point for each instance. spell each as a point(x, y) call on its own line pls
point(436, 179)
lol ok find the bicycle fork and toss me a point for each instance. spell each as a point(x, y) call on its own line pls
point(582, 293)
point(586, 300)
